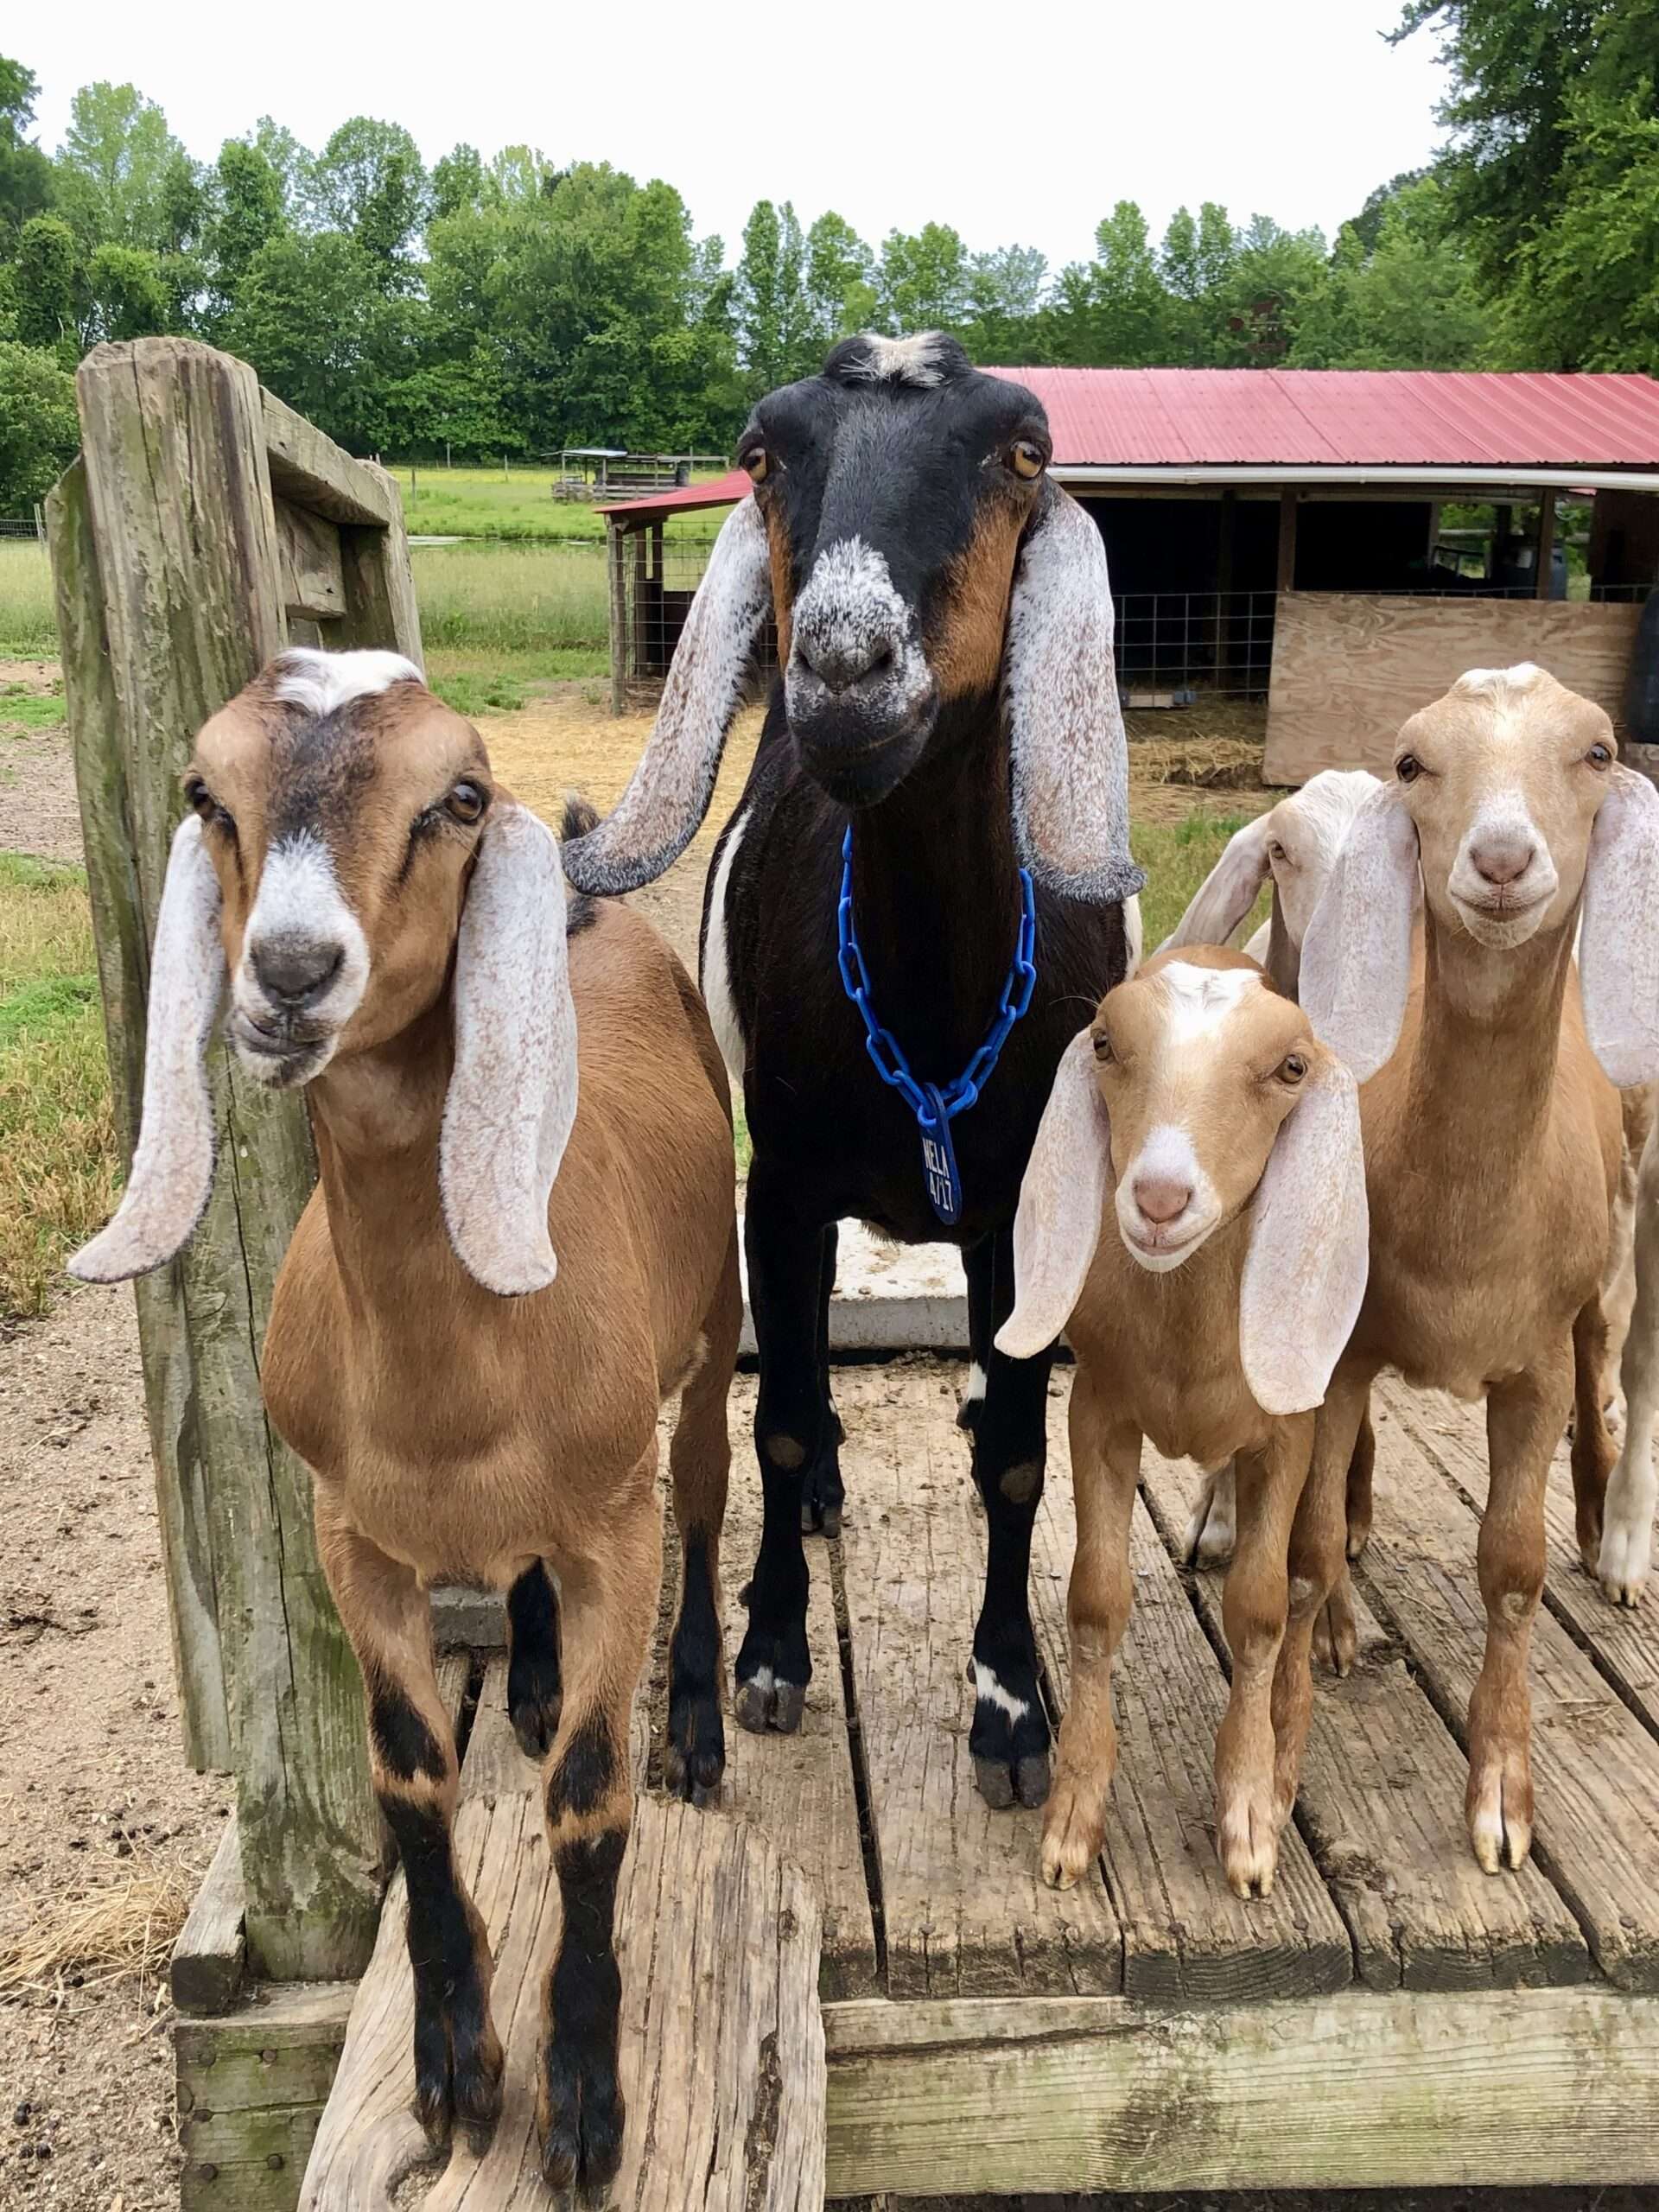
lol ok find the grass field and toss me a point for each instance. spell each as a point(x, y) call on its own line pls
point(484, 503)
point(28, 630)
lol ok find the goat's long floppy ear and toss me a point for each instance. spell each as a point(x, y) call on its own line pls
point(1618, 946)
point(1228, 892)
point(1284, 959)
point(512, 1094)
point(172, 1164)
point(1355, 972)
point(1310, 1247)
point(1071, 763)
point(1057, 1227)
point(668, 794)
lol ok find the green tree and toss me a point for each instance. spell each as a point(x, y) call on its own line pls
point(251, 209)
point(1005, 297)
point(370, 183)
point(1409, 302)
point(25, 172)
point(460, 182)
point(840, 290)
point(1276, 279)
point(288, 158)
point(776, 339)
point(312, 318)
point(922, 282)
point(129, 293)
point(47, 291)
point(119, 175)
point(1114, 311)
point(39, 432)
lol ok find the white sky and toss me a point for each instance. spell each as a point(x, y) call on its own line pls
point(1020, 123)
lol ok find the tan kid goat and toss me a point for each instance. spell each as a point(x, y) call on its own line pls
point(492, 1076)
point(1222, 1139)
point(1492, 1124)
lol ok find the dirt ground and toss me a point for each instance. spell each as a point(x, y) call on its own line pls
point(96, 1802)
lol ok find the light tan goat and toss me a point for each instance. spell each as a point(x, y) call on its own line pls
point(1492, 1137)
point(1199, 1112)
point(485, 1086)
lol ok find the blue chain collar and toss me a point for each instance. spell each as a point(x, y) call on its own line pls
point(936, 1108)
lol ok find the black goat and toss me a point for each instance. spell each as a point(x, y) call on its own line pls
point(948, 691)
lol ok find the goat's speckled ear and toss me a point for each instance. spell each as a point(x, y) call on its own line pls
point(667, 795)
point(1305, 1271)
point(1069, 761)
point(512, 1095)
point(173, 1165)
point(1057, 1227)
point(1355, 972)
point(1618, 947)
point(1228, 892)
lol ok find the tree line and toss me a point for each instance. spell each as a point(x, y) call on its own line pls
point(512, 305)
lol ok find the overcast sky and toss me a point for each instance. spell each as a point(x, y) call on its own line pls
point(1020, 122)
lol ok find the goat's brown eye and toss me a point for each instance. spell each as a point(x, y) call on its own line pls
point(1600, 756)
point(754, 464)
point(1293, 1067)
point(197, 795)
point(1275, 851)
point(1102, 1047)
point(466, 801)
point(1408, 768)
point(1026, 460)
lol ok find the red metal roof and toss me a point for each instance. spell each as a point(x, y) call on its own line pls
point(1314, 419)
point(1367, 417)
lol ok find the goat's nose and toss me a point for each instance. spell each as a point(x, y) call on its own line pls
point(1503, 858)
point(295, 970)
point(842, 657)
point(1162, 1198)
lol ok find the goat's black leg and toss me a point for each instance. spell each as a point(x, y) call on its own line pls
point(821, 1492)
point(977, 1260)
point(1009, 1741)
point(700, 1461)
point(534, 1690)
point(791, 1434)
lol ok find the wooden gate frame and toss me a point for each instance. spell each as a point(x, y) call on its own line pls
point(204, 527)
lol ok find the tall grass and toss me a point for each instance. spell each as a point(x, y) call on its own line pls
point(28, 628)
point(58, 1178)
point(483, 503)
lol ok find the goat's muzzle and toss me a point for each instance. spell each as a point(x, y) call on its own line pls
point(862, 700)
point(292, 995)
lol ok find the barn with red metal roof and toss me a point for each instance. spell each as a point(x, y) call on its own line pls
point(1338, 543)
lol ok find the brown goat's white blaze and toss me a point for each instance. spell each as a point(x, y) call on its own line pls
point(1510, 816)
point(1194, 1215)
point(495, 1078)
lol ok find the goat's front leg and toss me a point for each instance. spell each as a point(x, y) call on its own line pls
point(610, 1595)
point(1593, 1454)
point(1105, 1467)
point(1255, 1604)
point(700, 1459)
point(1525, 1416)
point(794, 1434)
point(1316, 1566)
point(1009, 1738)
point(415, 1771)
point(1627, 1532)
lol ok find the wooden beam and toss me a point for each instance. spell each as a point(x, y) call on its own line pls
point(380, 605)
point(1546, 543)
point(250, 2091)
point(617, 550)
point(1225, 530)
point(310, 469)
point(1031, 2096)
point(180, 498)
point(313, 586)
point(1286, 578)
point(211, 1955)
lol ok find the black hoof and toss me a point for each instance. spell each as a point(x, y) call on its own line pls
point(457, 2078)
point(1009, 1739)
point(535, 1726)
point(581, 2122)
point(695, 1759)
point(765, 1706)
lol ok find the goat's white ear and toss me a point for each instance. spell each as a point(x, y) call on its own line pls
point(668, 794)
point(1057, 1226)
point(1283, 956)
point(173, 1164)
point(1356, 970)
point(1228, 892)
point(512, 1094)
point(1070, 770)
point(1305, 1273)
point(1619, 946)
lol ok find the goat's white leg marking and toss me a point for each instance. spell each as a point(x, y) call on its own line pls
point(717, 968)
point(1627, 1523)
point(989, 1691)
point(976, 1389)
point(1213, 1529)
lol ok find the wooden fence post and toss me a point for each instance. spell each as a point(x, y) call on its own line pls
point(167, 525)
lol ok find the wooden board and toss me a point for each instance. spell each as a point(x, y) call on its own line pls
point(1349, 667)
point(964, 1905)
point(1381, 1807)
point(1595, 1768)
point(1185, 1935)
point(251, 2090)
point(722, 2045)
point(308, 548)
point(1354, 2091)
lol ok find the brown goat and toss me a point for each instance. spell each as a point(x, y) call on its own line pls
point(393, 929)
point(1202, 1114)
point(1492, 1137)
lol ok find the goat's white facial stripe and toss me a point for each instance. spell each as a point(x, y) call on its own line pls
point(850, 605)
point(717, 968)
point(989, 1691)
point(1521, 678)
point(1166, 1156)
point(299, 898)
point(321, 681)
point(913, 361)
point(1202, 999)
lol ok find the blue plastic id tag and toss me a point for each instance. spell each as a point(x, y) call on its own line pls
point(939, 1159)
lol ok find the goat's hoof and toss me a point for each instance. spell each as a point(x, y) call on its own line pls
point(1009, 1741)
point(1336, 1637)
point(1247, 1843)
point(1500, 1812)
point(1024, 1783)
point(764, 1704)
point(581, 2119)
point(823, 1495)
point(1359, 1534)
point(695, 1759)
point(535, 1724)
point(457, 2078)
point(1073, 1829)
point(1622, 1557)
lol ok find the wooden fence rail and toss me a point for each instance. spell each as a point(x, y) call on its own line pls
point(204, 527)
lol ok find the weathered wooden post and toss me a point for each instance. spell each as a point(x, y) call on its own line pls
point(202, 518)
